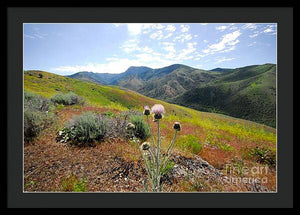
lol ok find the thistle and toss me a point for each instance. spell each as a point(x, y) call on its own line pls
point(130, 126)
point(158, 110)
point(156, 161)
point(146, 111)
point(177, 126)
point(145, 146)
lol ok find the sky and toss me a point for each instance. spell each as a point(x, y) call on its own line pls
point(65, 49)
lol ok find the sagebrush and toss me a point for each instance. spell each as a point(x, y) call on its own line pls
point(85, 129)
point(67, 99)
point(38, 115)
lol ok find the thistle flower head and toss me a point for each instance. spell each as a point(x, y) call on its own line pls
point(130, 126)
point(145, 146)
point(158, 110)
point(146, 111)
point(177, 126)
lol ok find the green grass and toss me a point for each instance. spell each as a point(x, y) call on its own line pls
point(73, 184)
point(189, 143)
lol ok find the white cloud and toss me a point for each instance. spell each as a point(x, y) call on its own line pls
point(158, 35)
point(134, 29)
point(222, 28)
point(130, 46)
point(203, 23)
point(147, 49)
point(183, 37)
point(249, 26)
point(185, 54)
point(171, 28)
point(225, 45)
point(158, 26)
point(228, 49)
point(137, 28)
point(253, 35)
point(169, 47)
point(220, 60)
point(185, 28)
point(168, 35)
point(270, 30)
point(233, 28)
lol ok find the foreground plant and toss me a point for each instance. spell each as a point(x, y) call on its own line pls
point(155, 161)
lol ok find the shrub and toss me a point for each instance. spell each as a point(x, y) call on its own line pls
point(85, 129)
point(36, 102)
point(72, 183)
point(141, 130)
point(264, 155)
point(37, 115)
point(67, 99)
point(189, 143)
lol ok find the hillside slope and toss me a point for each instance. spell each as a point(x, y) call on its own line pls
point(222, 140)
point(248, 93)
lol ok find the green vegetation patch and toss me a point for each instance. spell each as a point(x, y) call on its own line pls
point(72, 184)
point(189, 143)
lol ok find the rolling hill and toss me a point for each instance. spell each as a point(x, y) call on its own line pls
point(247, 92)
point(224, 140)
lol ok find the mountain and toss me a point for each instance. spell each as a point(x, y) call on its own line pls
point(159, 83)
point(247, 92)
point(102, 78)
point(174, 81)
point(220, 70)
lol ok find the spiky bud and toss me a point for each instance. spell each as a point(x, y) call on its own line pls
point(177, 126)
point(145, 146)
point(130, 126)
point(146, 111)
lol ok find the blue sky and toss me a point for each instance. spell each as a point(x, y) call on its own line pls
point(69, 48)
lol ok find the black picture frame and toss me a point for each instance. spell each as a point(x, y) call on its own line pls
point(16, 16)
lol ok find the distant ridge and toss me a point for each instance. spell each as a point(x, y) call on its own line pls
point(247, 92)
point(220, 69)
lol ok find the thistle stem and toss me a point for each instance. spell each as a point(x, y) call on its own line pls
point(151, 133)
point(167, 155)
point(158, 156)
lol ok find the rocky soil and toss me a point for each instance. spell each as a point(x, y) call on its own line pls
point(114, 166)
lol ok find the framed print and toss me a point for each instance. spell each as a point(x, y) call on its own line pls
point(189, 109)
